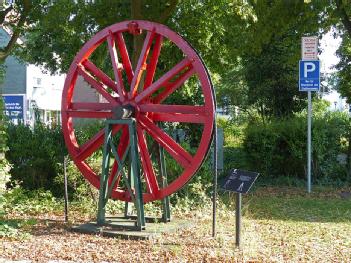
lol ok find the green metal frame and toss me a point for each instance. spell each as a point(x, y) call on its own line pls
point(166, 215)
point(133, 181)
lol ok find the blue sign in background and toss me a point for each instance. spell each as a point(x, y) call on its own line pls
point(14, 106)
point(309, 75)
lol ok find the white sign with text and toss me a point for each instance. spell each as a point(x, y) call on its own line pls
point(309, 48)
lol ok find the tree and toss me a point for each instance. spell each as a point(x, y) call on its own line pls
point(343, 67)
point(15, 17)
point(228, 35)
point(269, 52)
point(62, 28)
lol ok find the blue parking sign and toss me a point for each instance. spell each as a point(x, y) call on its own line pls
point(309, 77)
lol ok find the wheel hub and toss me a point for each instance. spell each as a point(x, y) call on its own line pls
point(126, 111)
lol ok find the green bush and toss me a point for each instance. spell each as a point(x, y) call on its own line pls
point(36, 155)
point(4, 164)
point(20, 201)
point(278, 148)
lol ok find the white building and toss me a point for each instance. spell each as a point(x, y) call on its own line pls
point(28, 90)
point(44, 93)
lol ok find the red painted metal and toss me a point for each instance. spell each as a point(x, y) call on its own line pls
point(90, 67)
point(147, 95)
point(163, 80)
point(125, 58)
point(116, 69)
point(140, 67)
point(149, 174)
point(151, 67)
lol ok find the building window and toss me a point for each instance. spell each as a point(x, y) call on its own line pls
point(37, 82)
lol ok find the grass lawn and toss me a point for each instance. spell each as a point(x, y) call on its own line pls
point(279, 225)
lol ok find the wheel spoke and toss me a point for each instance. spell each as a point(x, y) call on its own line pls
point(91, 106)
point(185, 109)
point(170, 87)
point(149, 174)
point(169, 117)
point(113, 175)
point(151, 67)
point(173, 148)
point(115, 65)
point(106, 80)
point(89, 114)
point(175, 113)
point(89, 147)
point(164, 80)
point(97, 85)
point(125, 57)
point(140, 66)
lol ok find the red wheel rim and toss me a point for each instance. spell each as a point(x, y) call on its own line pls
point(148, 101)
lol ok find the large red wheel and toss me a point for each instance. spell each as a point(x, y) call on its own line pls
point(151, 99)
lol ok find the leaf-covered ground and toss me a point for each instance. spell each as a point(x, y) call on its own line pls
point(278, 226)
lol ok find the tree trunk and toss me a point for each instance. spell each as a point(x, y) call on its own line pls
point(136, 14)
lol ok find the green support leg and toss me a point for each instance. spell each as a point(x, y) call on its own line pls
point(166, 211)
point(127, 205)
point(135, 174)
point(133, 181)
point(104, 177)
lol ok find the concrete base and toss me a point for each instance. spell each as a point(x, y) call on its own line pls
point(125, 228)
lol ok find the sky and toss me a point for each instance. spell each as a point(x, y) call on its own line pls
point(329, 45)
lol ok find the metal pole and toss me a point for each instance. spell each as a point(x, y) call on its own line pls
point(309, 120)
point(101, 213)
point(238, 219)
point(214, 196)
point(65, 159)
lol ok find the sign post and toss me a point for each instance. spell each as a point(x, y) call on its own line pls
point(309, 80)
point(239, 182)
point(309, 141)
point(237, 219)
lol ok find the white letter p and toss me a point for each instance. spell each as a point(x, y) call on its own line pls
point(308, 67)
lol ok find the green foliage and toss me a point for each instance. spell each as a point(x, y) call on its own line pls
point(344, 69)
point(36, 155)
point(4, 164)
point(23, 202)
point(13, 229)
point(278, 148)
point(263, 77)
point(78, 22)
point(196, 191)
point(233, 131)
point(20, 202)
point(293, 204)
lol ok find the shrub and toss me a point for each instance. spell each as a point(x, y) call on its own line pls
point(35, 154)
point(4, 164)
point(278, 148)
point(37, 157)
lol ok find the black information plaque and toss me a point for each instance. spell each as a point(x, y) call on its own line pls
point(239, 181)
